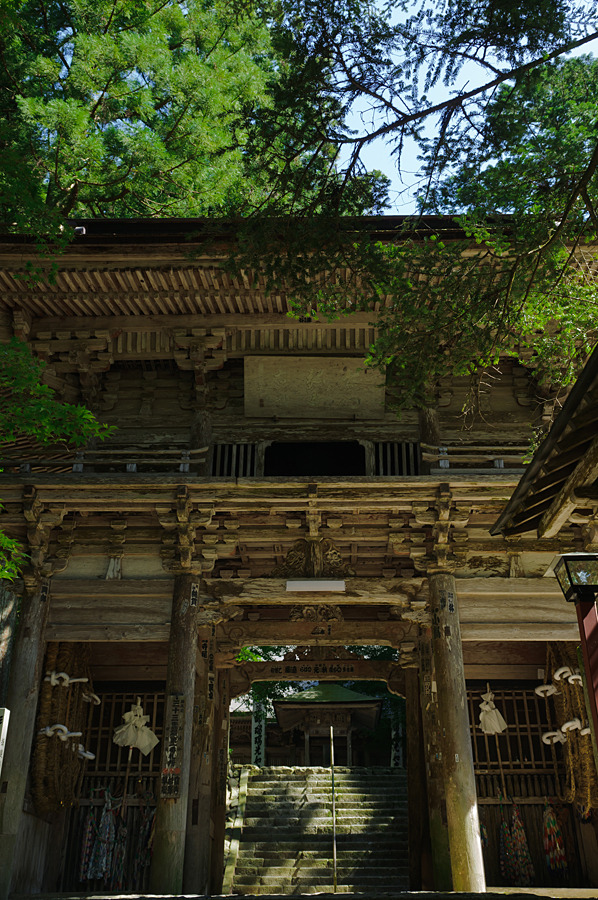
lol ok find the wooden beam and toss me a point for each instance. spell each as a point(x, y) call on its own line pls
point(530, 631)
point(322, 670)
point(140, 324)
point(127, 631)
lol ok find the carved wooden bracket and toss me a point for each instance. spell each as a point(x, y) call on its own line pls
point(40, 523)
point(448, 533)
point(313, 558)
point(180, 525)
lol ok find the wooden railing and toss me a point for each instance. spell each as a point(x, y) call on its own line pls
point(110, 460)
point(475, 455)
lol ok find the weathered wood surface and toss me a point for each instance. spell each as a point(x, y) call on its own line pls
point(196, 876)
point(434, 766)
point(321, 670)
point(313, 387)
point(565, 502)
point(467, 863)
point(166, 874)
point(219, 782)
point(491, 609)
point(117, 492)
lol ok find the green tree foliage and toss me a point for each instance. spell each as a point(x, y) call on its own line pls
point(264, 110)
point(125, 108)
point(145, 108)
point(28, 408)
point(521, 182)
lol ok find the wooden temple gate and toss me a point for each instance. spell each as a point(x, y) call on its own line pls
point(259, 490)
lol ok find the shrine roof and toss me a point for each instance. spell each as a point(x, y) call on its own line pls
point(561, 477)
point(160, 267)
point(329, 693)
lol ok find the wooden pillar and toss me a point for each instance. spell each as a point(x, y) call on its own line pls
point(461, 800)
point(166, 876)
point(23, 691)
point(201, 423)
point(196, 875)
point(416, 784)
point(441, 858)
point(220, 781)
point(429, 433)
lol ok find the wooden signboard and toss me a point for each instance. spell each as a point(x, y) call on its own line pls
point(172, 754)
point(310, 387)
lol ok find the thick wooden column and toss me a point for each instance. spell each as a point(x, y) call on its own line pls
point(461, 800)
point(219, 781)
point(166, 875)
point(196, 877)
point(441, 857)
point(23, 691)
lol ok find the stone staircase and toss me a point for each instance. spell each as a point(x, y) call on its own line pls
point(282, 839)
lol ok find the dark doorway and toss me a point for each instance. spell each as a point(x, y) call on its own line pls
point(315, 458)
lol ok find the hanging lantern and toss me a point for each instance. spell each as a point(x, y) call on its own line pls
point(577, 575)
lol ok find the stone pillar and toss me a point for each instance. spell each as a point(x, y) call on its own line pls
point(441, 858)
point(196, 876)
point(23, 690)
point(166, 875)
point(461, 800)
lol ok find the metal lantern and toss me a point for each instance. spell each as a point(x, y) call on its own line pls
point(577, 575)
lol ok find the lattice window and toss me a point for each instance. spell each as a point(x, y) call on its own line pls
point(517, 761)
point(234, 460)
point(396, 458)
point(110, 759)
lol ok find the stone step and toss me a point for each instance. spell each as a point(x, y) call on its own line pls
point(293, 889)
point(345, 842)
point(286, 839)
point(316, 870)
point(286, 796)
point(324, 784)
point(359, 831)
point(269, 856)
point(345, 783)
point(307, 817)
point(278, 882)
point(342, 809)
